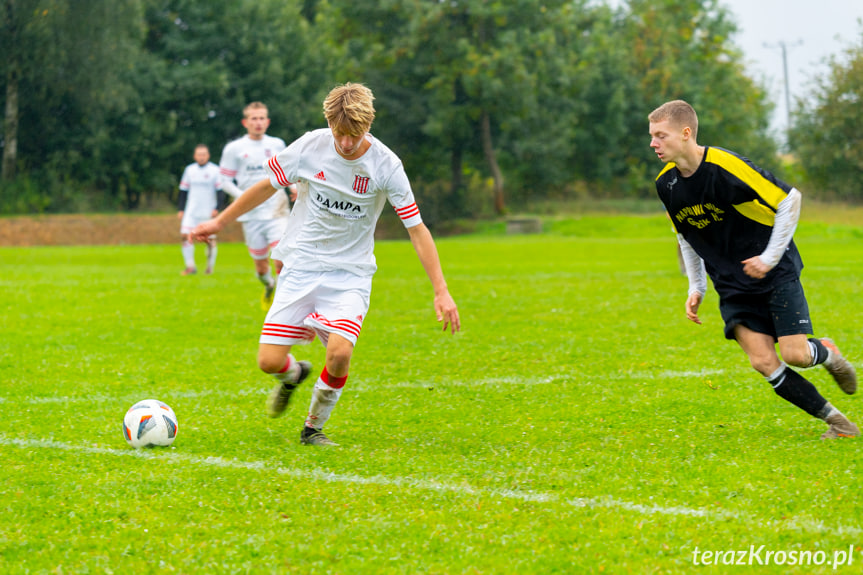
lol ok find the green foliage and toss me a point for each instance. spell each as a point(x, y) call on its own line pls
point(826, 137)
point(682, 49)
point(578, 424)
point(117, 94)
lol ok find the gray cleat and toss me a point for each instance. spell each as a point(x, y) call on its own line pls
point(840, 426)
point(312, 436)
point(839, 367)
point(280, 396)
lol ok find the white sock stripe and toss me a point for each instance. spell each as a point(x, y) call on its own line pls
point(777, 377)
point(813, 351)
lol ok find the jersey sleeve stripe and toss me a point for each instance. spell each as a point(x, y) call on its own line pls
point(667, 167)
point(227, 172)
point(767, 190)
point(408, 212)
point(757, 211)
point(278, 172)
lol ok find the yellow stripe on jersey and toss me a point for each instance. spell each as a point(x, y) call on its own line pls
point(769, 192)
point(757, 211)
point(667, 167)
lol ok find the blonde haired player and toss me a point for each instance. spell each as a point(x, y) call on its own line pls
point(241, 166)
point(345, 177)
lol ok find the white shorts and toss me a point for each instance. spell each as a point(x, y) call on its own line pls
point(189, 223)
point(307, 304)
point(263, 235)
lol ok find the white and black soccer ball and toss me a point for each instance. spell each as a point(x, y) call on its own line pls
point(150, 423)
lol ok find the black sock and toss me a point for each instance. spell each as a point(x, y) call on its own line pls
point(796, 389)
point(820, 351)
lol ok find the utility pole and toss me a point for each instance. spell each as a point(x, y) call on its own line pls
point(785, 47)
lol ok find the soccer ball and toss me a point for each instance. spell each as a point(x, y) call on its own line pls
point(150, 423)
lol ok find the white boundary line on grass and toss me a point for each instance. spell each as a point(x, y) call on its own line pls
point(439, 486)
point(361, 386)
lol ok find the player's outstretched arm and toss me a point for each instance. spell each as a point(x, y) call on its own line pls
point(251, 198)
point(445, 308)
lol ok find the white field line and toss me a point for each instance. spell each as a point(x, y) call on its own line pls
point(459, 488)
point(490, 382)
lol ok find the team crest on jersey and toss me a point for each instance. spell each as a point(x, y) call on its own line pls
point(361, 184)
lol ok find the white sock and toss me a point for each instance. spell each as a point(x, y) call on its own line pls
point(267, 279)
point(324, 399)
point(189, 254)
point(211, 256)
point(290, 375)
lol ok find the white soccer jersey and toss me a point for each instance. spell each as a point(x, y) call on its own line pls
point(243, 161)
point(200, 184)
point(338, 203)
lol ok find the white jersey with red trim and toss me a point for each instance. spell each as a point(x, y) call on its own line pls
point(201, 184)
point(243, 161)
point(338, 202)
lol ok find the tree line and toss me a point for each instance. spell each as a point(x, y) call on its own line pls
point(490, 103)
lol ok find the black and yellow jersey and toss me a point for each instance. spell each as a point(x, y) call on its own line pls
point(725, 211)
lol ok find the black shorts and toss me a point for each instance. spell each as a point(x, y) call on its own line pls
point(781, 312)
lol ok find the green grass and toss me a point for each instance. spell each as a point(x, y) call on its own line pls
point(578, 424)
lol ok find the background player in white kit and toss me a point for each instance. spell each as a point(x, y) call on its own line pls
point(345, 177)
point(243, 162)
point(200, 199)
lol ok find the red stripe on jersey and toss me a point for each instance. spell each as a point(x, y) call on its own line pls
point(408, 211)
point(227, 172)
point(278, 172)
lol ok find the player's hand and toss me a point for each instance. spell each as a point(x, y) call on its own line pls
point(693, 302)
point(755, 268)
point(204, 230)
point(447, 312)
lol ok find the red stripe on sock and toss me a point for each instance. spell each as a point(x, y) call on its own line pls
point(287, 365)
point(334, 382)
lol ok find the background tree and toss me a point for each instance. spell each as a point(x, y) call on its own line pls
point(489, 103)
point(61, 65)
point(827, 136)
point(684, 49)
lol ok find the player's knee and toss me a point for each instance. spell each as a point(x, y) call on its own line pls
point(797, 357)
point(270, 362)
point(339, 358)
point(765, 364)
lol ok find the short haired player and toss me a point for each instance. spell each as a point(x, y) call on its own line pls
point(345, 177)
point(242, 165)
point(735, 221)
point(200, 199)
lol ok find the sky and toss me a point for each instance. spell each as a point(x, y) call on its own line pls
point(812, 31)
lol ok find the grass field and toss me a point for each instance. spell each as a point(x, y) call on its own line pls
point(578, 424)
